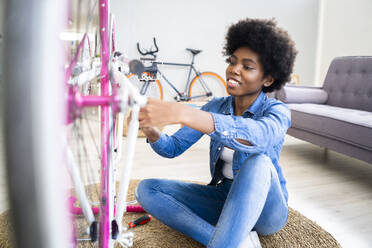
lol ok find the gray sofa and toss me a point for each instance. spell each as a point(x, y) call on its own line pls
point(337, 115)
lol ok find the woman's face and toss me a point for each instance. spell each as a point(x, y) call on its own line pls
point(244, 74)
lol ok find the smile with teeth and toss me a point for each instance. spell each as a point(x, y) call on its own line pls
point(232, 83)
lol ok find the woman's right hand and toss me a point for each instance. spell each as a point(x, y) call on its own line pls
point(151, 133)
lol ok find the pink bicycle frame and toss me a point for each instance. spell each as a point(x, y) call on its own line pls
point(104, 225)
point(109, 104)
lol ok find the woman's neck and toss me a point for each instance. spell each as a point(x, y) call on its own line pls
point(242, 103)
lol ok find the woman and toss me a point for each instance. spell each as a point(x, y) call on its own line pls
point(248, 191)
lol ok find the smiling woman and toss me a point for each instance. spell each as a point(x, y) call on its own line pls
point(245, 78)
point(275, 49)
point(247, 194)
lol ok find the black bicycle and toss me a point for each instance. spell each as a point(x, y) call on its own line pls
point(202, 87)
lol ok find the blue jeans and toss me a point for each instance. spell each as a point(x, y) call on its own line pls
point(222, 215)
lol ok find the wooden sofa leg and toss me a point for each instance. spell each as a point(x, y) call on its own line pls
point(326, 154)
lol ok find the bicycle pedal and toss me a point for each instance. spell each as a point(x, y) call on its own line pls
point(114, 229)
point(93, 231)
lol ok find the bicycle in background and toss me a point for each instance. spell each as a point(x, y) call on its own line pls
point(202, 87)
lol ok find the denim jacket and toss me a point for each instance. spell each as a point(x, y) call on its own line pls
point(264, 125)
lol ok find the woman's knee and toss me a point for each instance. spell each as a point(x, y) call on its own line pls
point(257, 162)
point(274, 215)
point(272, 225)
point(144, 189)
point(258, 158)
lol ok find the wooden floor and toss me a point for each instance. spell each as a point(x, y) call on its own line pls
point(332, 189)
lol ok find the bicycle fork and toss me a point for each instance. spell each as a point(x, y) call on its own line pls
point(136, 101)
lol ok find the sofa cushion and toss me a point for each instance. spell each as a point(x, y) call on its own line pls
point(349, 82)
point(302, 94)
point(347, 125)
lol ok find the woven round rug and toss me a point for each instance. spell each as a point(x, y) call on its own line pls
point(298, 232)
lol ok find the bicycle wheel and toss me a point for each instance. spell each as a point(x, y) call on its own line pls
point(154, 89)
point(206, 86)
point(92, 186)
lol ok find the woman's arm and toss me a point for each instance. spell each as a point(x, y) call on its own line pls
point(253, 135)
point(159, 113)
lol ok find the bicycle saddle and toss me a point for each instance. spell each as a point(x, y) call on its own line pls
point(193, 51)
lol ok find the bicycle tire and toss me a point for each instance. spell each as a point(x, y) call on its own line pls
point(154, 90)
point(214, 82)
point(32, 121)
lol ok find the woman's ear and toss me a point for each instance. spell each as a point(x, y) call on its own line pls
point(268, 80)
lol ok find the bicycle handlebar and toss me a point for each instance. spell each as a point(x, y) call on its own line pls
point(148, 52)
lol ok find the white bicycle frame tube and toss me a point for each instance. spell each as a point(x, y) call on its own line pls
point(79, 187)
point(120, 122)
point(128, 162)
point(133, 92)
point(119, 135)
point(86, 76)
point(138, 101)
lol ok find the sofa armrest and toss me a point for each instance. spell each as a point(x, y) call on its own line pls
point(302, 94)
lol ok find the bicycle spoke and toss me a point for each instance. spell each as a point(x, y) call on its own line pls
point(81, 146)
point(90, 173)
point(90, 14)
point(92, 136)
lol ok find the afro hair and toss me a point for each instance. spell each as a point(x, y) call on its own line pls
point(274, 46)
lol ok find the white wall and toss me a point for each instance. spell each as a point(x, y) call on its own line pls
point(346, 30)
point(203, 24)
